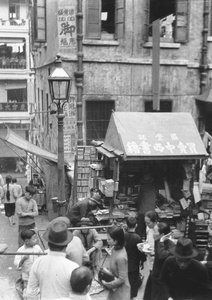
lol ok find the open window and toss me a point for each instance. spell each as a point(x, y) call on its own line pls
point(97, 119)
point(14, 9)
point(173, 16)
point(104, 19)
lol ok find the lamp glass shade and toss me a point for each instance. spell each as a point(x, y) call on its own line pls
point(59, 84)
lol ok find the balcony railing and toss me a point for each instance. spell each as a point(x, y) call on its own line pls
point(13, 106)
point(12, 63)
point(13, 22)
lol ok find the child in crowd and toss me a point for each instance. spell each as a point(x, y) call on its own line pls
point(24, 262)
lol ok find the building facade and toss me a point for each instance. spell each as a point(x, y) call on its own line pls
point(107, 47)
point(16, 77)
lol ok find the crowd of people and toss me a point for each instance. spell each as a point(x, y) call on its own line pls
point(73, 258)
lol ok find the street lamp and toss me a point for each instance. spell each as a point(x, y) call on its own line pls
point(59, 87)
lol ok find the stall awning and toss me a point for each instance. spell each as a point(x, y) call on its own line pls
point(141, 136)
point(206, 96)
point(18, 141)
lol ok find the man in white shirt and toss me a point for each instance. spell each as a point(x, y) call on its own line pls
point(50, 275)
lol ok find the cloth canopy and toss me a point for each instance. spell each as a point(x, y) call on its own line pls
point(142, 136)
point(18, 141)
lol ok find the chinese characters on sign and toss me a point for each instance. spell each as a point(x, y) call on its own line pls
point(69, 125)
point(161, 146)
point(13, 107)
point(67, 26)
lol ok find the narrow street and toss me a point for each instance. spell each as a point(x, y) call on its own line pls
point(9, 236)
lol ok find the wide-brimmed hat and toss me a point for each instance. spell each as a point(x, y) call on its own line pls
point(184, 248)
point(85, 222)
point(57, 233)
point(147, 178)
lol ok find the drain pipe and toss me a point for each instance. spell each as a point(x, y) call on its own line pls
point(203, 66)
point(79, 74)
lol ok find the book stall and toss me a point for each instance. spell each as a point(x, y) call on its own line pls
point(167, 145)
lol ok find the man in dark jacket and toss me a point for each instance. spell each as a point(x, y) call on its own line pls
point(85, 207)
point(163, 246)
point(182, 276)
point(135, 257)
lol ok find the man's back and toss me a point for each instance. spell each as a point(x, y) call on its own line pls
point(52, 275)
point(134, 255)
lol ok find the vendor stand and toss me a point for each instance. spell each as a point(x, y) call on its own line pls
point(168, 145)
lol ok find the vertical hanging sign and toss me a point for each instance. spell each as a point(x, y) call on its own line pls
point(67, 26)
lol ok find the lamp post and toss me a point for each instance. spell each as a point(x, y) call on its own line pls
point(59, 87)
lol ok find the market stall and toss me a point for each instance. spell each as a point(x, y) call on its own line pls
point(167, 145)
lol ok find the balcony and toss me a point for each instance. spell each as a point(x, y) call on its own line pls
point(12, 63)
point(13, 107)
point(13, 22)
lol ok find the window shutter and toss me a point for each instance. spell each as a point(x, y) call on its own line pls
point(146, 21)
point(120, 12)
point(41, 22)
point(181, 27)
point(93, 19)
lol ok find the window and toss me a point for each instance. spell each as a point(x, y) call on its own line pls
point(14, 6)
point(12, 53)
point(38, 21)
point(104, 19)
point(173, 17)
point(165, 106)
point(13, 95)
point(97, 118)
point(17, 95)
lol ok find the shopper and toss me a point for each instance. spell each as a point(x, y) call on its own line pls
point(91, 240)
point(27, 210)
point(119, 288)
point(135, 257)
point(151, 223)
point(81, 279)
point(163, 247)
point(17, 188)
point(183, 277)
point(9, 197)
point(50, 274)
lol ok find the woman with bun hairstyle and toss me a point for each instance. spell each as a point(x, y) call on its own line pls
point(8, 198)
point(119, 288)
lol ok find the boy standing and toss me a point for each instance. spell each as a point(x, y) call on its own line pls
point(24, 262)
point(135, 257)
point(27, 210)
